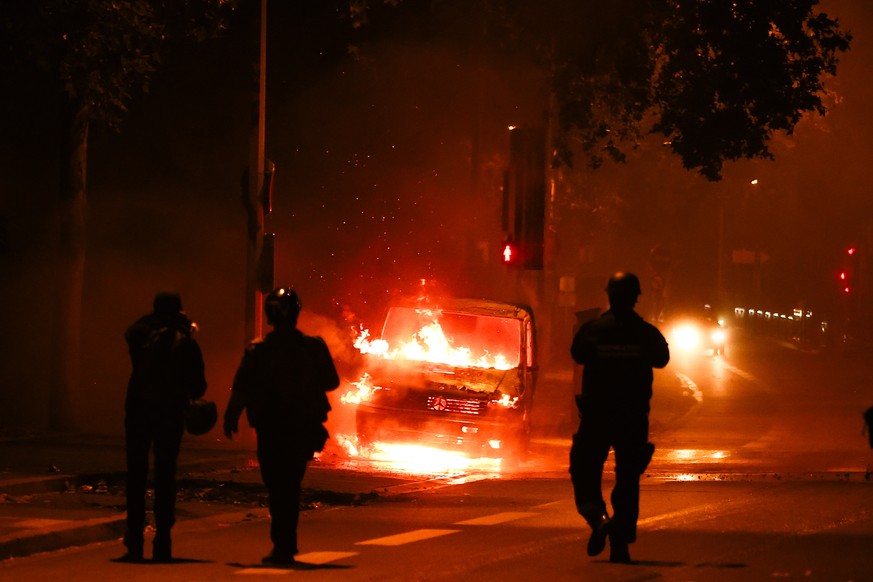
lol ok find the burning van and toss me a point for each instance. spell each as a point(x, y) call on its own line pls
point(463, 375)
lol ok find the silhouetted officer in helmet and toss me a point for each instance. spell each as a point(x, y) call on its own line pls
point(618, 351)
point(282, 383)
point(167, 374)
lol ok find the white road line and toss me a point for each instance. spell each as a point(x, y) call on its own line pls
point(408, 537)
point(742, 374)
point(551, 504)
point(496, 518)
point(323, 557)
point(689, 383)
point(660, 521)
point(263, 571)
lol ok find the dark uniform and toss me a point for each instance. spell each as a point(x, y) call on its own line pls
point(282, 383)
point(167, 374)
point(618, 351)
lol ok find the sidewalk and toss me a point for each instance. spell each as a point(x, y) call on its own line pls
point(62, 490)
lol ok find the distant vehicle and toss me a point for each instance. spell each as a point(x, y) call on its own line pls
point(696, 333)
point(462, 375)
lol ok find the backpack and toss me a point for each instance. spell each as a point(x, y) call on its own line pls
point(160, 362)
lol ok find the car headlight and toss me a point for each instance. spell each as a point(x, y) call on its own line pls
point(686, 337)
point(718, 336)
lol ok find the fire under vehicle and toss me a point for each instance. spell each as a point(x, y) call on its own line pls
point(463, 375)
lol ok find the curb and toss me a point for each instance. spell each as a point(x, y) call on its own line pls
point(31, 485)
point(75, 534)
point(82, 532)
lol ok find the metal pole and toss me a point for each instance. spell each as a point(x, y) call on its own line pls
point(254, 206)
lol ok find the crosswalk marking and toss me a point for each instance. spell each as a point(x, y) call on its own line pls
point(496, 518)
point(551, 504)
point(407, 537)
point(323, 557)
point(263, 571)
point(656, 521)
point(690, 385)
point(743, 374)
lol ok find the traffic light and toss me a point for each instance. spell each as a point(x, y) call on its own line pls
point(847, 274)
point(524, 190)
point(509, 253)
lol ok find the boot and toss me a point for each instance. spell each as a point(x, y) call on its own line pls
point(619, 553)
point(134, 546)
point(600, 528)
point(162, 547)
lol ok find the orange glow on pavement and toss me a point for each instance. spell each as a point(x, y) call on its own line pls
point(411, 458)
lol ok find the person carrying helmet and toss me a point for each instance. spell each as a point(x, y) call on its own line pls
point(617, 351)
point(282, 383)
point(168, 373)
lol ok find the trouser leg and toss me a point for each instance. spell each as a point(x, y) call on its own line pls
point(587, 455)
point(168, 438)
point(632, 454)
point(137, 445)
point(282, 471)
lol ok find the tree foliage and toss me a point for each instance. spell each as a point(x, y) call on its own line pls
point(102, 52)
point(715, 79)
point(732, 73)
point(95, 55)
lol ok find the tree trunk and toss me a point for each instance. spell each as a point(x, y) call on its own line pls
point(71, 267)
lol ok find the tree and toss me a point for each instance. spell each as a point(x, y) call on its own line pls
point(97, 55)
point(715, 79)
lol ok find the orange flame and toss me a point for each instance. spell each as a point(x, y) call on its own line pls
point(430, 344)
point(363, 391)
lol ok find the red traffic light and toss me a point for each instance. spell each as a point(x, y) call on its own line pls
point(851, 251)
point(509, 253)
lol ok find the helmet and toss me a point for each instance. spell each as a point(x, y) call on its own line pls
point(623, 286)
point(202, 416)
point(282, 305)
point(167, 303)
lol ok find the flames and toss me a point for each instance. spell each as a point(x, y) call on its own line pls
point(430, 344)
point(424, 341)
point(362, 391)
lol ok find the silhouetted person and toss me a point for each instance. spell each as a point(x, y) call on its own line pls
point(617, 351)
point(282, 382)
point(167, 374)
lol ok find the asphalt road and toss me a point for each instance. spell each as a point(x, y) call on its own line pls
point(768, 407)
point(761, 473)
point(520, 529)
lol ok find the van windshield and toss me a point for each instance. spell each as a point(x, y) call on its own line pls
point(458, 339)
